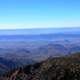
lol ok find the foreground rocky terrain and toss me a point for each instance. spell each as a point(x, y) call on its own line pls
point(59, 68)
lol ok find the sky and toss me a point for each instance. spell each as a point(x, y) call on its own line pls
point(39, 14)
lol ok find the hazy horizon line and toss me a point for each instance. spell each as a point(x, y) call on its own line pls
point(39, 28)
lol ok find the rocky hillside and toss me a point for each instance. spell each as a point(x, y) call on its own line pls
point(60, 68)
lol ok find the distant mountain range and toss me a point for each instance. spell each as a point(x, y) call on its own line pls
point(40, 31)
point(18, 57)
point(23, 47)
point(39, 34)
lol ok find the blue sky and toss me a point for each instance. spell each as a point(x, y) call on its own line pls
point(39, 13)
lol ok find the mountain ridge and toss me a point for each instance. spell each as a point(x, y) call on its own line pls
point(58, 68)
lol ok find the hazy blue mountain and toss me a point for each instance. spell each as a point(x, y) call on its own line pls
point(20, 47)
point(39, 34)
point(39, 31)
